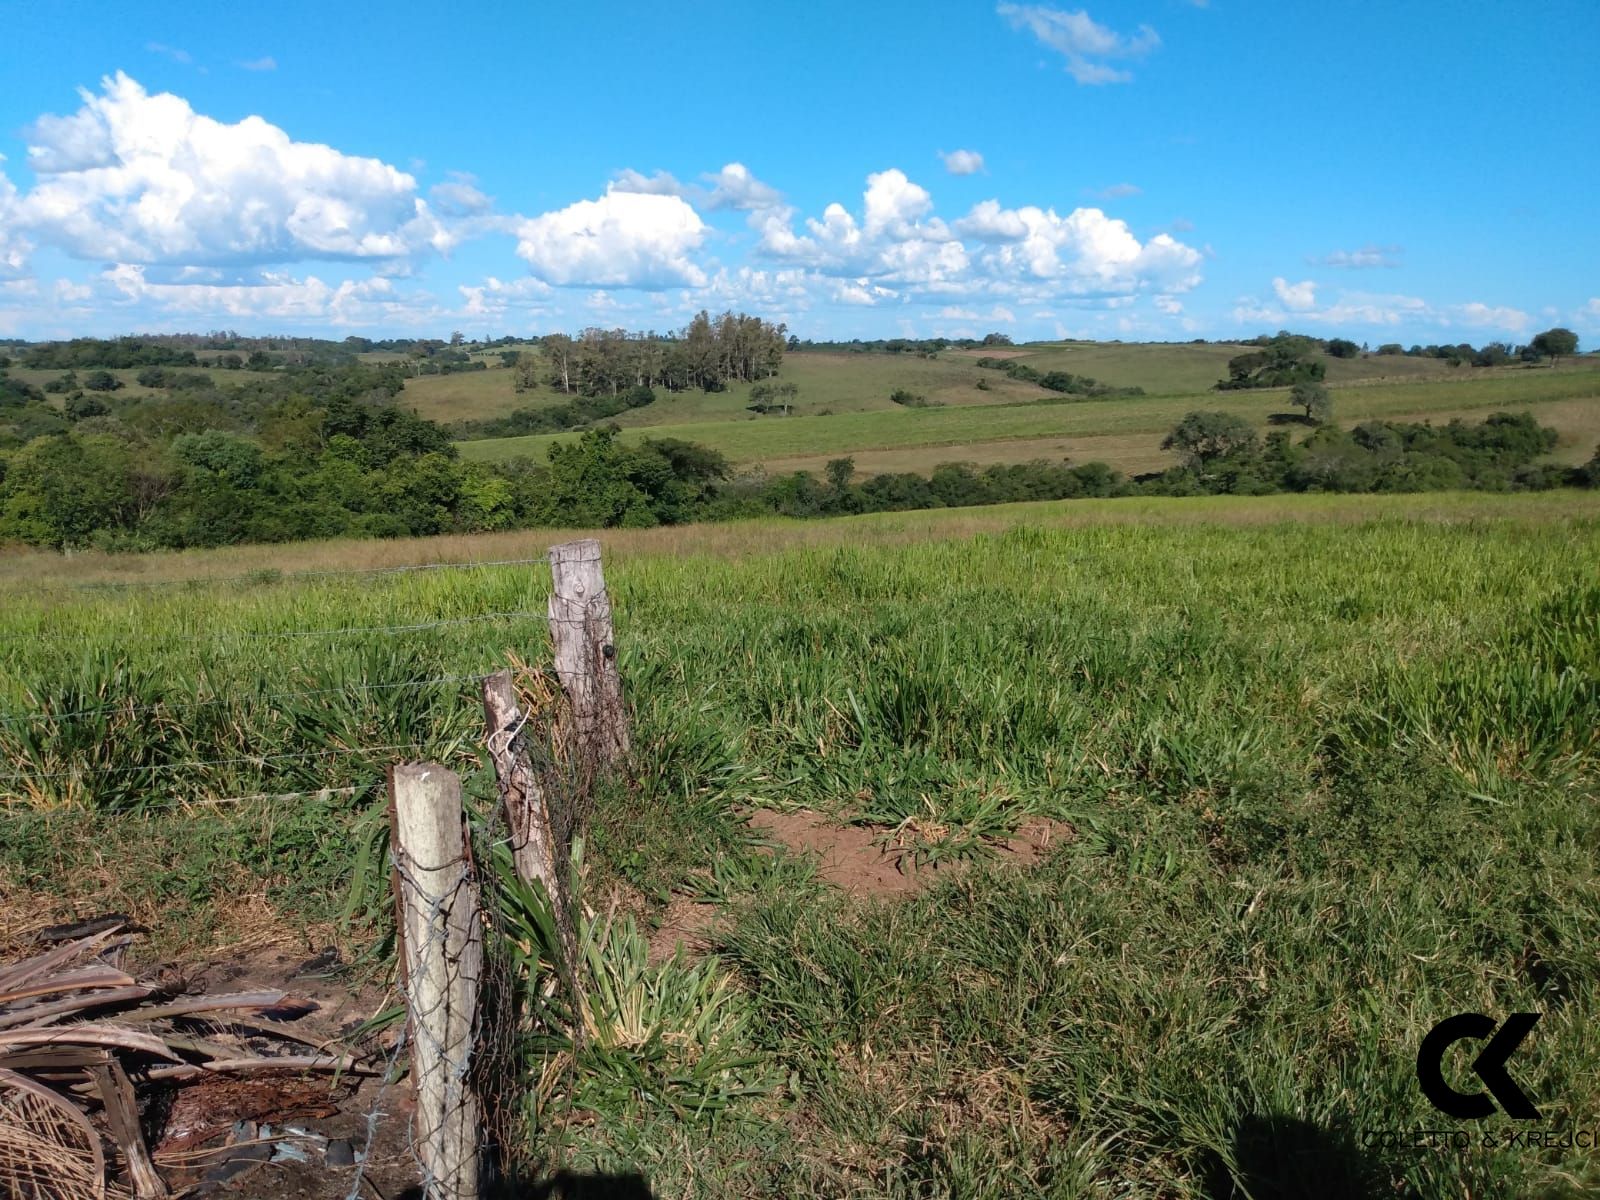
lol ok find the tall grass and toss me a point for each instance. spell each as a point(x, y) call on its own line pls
point(1329, 783)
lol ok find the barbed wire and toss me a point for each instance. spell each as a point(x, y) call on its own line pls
point(342, 631)
point(251, 575)
point(258, 759)
point(42, 715)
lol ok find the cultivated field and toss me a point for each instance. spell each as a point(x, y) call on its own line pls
point(1317, 773)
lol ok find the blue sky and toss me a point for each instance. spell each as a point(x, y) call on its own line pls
point(1160, 169)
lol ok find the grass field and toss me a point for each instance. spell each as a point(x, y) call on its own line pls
point(1573, 397)
point(1327, 765)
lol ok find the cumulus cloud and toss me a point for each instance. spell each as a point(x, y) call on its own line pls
point(1083, 253)
point(494, 297)
point(1367, 256)
point(459, 197)
point(962, 162)
point(623, 239)
point(1083, 42)
point(1298, 296)
point(662, 183)
point(734, 187)
point(15, 249)
point(1026, 254)
point(138, 178)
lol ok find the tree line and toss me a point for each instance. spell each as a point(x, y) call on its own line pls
point(708, 353)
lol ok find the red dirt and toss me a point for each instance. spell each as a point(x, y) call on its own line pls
point(857, 859)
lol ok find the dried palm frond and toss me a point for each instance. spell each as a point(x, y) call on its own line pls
point(75, 1030)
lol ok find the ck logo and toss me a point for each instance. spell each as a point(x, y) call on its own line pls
point(1489, 1066)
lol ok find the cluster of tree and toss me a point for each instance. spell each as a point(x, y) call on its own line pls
point(952, 485)
point(1222, 454)
point(554, 418)
point(1553, 344)
point(447, 362)
point(161, 377)
point(1280, 361)
point(709, 353)
point(1057, 381)
point(101, 352)
point(773, 397)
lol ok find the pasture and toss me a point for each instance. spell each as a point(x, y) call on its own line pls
point(1568, 398)
point(1322, 771)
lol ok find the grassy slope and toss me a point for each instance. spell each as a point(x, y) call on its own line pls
point(1328, 760)
point(765, 439)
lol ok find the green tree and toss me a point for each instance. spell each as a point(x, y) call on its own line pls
point(1316, 399)
point(1281, 361)
point(1555, 344)
point(1343, 348)
point(1205, 438)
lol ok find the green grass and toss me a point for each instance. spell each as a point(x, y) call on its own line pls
point(1330, 763)
point(762, 439)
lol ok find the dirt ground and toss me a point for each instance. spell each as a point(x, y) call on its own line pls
point(263, 1136)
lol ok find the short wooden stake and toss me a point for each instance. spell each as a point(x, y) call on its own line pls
point(442, 944)
point(585, 653)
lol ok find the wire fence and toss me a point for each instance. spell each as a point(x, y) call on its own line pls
point(273, 574)
point(465, 998)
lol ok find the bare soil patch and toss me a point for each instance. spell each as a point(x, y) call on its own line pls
point(859, 859)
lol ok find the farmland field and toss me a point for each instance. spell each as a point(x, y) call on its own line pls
point(1323, 770)
point(1568, 398)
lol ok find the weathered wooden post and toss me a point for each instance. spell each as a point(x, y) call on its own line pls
point(538, 851)
point(442, 945)
point(585, 654)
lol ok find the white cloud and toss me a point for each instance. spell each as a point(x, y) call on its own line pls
point(277, 296)
point(1366, 257)
point(265, 63)
point(1353, 310)
point(623, 239)
point(1081, 40)
point(1484, 316)
point(962, 162)
point(736, 188)
point(138, 178)
point(459, 197)
point(1082, 253)
point(1589, 315)
point(493, 297)
point(1169, 305)
point(1026, 255)
point(1298, 296)
point(172, 52)
point(15, 249)
point(1118, 191)
point(662, 183)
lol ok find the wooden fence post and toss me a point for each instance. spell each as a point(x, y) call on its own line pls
point(538, 851)
point(442, 944)
point(585, 654)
